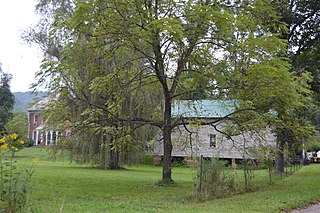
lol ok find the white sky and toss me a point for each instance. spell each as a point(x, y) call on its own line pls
point(18, 58)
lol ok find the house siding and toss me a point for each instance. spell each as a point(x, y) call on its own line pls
point(196, 142)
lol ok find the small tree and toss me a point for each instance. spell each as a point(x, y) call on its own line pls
point(18, 124)
point(217, 181)
point(267, 156)
point(7, 99)
point(248, 169)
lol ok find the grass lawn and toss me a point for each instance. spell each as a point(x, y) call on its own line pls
point(61, 186)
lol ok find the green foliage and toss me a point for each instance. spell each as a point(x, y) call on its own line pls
point(301, 17)
point(313, 143)
point(148, 159)
point(122, 63)
point(7, 99)
point(267, 156)
point(302, 20)
point(14, 179)
point(306, 61)
point(248, 169)
point(179, 162)
point(12, 143)
point(218, 182)
point(18, 124)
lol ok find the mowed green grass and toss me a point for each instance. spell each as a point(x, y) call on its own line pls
point(61, 186)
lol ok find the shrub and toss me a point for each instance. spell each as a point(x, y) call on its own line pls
point(148, 159)
point(217, 181)
point(248, 169)
point(12, 143)
point(14, 180)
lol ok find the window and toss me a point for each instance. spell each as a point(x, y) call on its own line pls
point(35, 118)
point(213, 141)
point(34, 136)
point(54, 136)
point(49, 137)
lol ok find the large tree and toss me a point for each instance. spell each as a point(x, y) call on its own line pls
point(302, 19)
point(7, 99)
point(97, 138)
point(94, 139)
point(303, 35)
point(226, 49)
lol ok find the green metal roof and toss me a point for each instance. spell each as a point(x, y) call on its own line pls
point(203, 108)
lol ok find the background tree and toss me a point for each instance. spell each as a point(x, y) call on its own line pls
point(75, 100)
point(302, 20)
point(50, 12)
point(7, 99)
point(313, 144)
point(18, 124)
point(97, 139)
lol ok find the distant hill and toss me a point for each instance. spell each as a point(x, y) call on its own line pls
point(24, 99)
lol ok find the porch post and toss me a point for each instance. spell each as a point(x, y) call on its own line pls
point(37, 137)
point(46, 137)
point(51, 136)
point(57, 136)
point(41, 137)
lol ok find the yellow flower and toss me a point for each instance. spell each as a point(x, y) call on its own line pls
point(35, 160)
point(21, 142)
point(3, 139)
point(14, 148)
point(4, 146)
point(14, 136)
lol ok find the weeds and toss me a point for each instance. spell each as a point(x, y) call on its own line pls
point(217, 181)
point(14, 180)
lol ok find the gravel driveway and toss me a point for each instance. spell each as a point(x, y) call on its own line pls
point(309, 209)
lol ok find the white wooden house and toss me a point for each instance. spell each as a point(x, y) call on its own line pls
point(193, 140)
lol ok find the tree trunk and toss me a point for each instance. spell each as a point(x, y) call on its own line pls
point(280, 157)
point(113, 156)
point(281, 138)
point(167, 145)
point(166, 171)
point(113, 159)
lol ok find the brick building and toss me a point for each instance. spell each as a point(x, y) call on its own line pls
point(37, 131)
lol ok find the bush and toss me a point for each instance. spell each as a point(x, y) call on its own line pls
point(248, 169)
point(217, 181)
point(12, 143)
point(178, 162)
point(14, 181)
point(148, 159)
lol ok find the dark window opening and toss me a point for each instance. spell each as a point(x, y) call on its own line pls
point(34, 136)
point(213, 141)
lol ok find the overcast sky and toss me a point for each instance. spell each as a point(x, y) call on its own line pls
point(17, 58)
